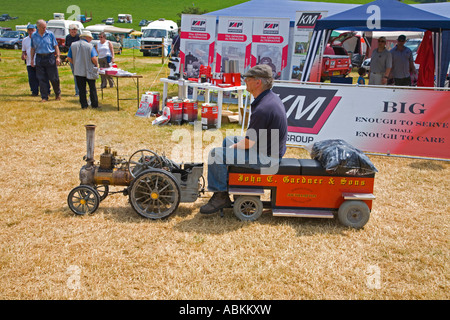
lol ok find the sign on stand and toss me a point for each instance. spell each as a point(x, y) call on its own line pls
point(198, 35)
point(383, 120)
point(270, 44)
point(303, 29)
point(234, 42)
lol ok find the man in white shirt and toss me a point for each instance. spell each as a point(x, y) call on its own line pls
point(26, 49)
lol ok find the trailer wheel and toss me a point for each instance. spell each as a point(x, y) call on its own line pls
point(354, 214)
point(248, 208)
point(155, 194)
point(83, 199)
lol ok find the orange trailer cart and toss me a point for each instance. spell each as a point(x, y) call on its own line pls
point(302, 188)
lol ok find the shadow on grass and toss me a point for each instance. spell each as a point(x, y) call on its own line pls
point(427, 165)
point(189, 219)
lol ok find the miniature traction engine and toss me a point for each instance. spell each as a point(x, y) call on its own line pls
point(154, 184)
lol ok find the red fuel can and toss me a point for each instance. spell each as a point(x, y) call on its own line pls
point(210, 114)
point(190, 110)
point(176, 110)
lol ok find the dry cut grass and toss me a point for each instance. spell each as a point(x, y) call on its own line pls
point(46, 252)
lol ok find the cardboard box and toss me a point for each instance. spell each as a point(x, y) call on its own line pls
point(241, 115)
point(229, 117)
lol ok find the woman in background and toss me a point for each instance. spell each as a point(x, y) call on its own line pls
point(105, 57)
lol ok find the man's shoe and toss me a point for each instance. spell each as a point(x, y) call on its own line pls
point(218, 201)
point(44, 100)
point(58, 98)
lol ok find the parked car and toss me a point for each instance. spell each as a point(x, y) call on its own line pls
point(152, 36)
point(109, 21)
point(12, 39)
point(144, 22)
point(366, 64)
point(355, 44)
point(117, 46)
point(4, 29)
point(6, 17)
point(336, 62)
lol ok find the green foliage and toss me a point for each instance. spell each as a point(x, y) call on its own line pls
point(101, 10)
point(190, 10)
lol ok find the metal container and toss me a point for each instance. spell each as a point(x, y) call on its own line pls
point(210, 113)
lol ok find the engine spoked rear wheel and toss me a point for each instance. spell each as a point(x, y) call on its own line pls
point(142, 160)
point(155, 194)
point(83, 199)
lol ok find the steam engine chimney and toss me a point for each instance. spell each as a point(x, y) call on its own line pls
point(90, 133)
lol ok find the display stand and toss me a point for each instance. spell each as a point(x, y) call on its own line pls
point(208, 88)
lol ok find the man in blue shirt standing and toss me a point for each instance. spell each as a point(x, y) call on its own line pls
point(262, 147)
point(84, 58)
point(402, 63)
point(44, 48)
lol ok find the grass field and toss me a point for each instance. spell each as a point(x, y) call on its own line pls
point(150, 10)
point(46, 252)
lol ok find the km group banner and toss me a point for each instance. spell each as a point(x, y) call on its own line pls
point(305, 22)
point(391, 121)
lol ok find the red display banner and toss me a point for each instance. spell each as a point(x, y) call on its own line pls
point(392, 121)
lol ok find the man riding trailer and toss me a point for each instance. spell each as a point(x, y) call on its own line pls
point(263, 146)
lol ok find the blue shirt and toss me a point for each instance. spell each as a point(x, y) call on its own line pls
point(93, 52)
point(401, 62)
point(43, 44)
point(361, 80)
point(268, 112)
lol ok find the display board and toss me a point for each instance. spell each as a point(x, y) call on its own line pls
point(197, 40)
point(390, 121)
point(234, 41)
point(303, 29)
point(270, 44)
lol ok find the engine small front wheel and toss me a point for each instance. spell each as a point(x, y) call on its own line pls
point(83, 199)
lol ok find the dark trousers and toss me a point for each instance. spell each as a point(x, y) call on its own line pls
point(402, 81)
point(81, 83)
point(103, 63)
point(47, 70)
point(34, 82)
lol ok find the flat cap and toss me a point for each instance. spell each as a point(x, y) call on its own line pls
point(259, 71)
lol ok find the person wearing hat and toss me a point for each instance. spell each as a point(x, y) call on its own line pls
point(83, 56)
point(402, 63)
point(26, 56)
point(45, 55)
point(262, 147)
point(72, 37)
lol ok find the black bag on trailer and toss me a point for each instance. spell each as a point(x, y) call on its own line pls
point(339, 157)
